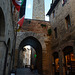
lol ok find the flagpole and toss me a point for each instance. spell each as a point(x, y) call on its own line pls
point(17, 8)
point(16, 31)
point(15, 41)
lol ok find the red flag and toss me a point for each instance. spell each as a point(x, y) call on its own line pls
point(20, 22)
point(16, 5)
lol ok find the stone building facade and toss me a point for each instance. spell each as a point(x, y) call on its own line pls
point(62, 19)
point(34, 33)
point(38, 10)
point(7, 36)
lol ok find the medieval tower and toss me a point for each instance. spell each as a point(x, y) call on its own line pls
point(38, 10)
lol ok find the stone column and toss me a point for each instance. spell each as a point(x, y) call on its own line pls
point(50, 60)
point(48, 57)
point(49, 52)
point(63, 64)
point(60, 62)
point(74, 48)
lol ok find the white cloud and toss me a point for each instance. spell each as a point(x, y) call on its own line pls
point(29, 6)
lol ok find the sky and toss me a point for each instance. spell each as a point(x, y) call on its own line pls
point(29, 6)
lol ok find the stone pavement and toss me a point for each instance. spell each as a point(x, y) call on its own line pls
point(25, 71)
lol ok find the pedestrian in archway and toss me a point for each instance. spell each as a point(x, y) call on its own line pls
point(32, 68)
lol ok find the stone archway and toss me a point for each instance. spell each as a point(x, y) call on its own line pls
point(23, 35)
point(44, 41)
point(33, 42)
point(2, 23)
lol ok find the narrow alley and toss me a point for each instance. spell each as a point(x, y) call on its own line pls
point(37, 45)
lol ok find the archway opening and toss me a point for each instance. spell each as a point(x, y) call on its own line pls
point(2, 23)
point(35, 53)
point(69, 60)
point(27, 56)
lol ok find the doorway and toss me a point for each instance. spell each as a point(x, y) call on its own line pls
point(56, 63)
point(69, 60)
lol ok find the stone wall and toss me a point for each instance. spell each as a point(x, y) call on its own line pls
point(8, 38)
point(38, 10)
point(65, 35)
point(2, 57)
point(37, 29)
point(59, 22)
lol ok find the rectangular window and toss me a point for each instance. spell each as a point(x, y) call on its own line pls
point(64, 1)
point(53, 13)
point(55, 30)
point(68, 22)
point(38, 1)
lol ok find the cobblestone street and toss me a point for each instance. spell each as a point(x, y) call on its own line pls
point(25, 71)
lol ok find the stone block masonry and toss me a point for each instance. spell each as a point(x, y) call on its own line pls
point(38, 10)
point(37, 29)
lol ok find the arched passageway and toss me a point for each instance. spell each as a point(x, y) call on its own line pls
point(34, 43)
point(29, 57)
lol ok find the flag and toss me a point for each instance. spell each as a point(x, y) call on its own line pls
point(20, 22)
point(18, 4)
point(22, 9)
